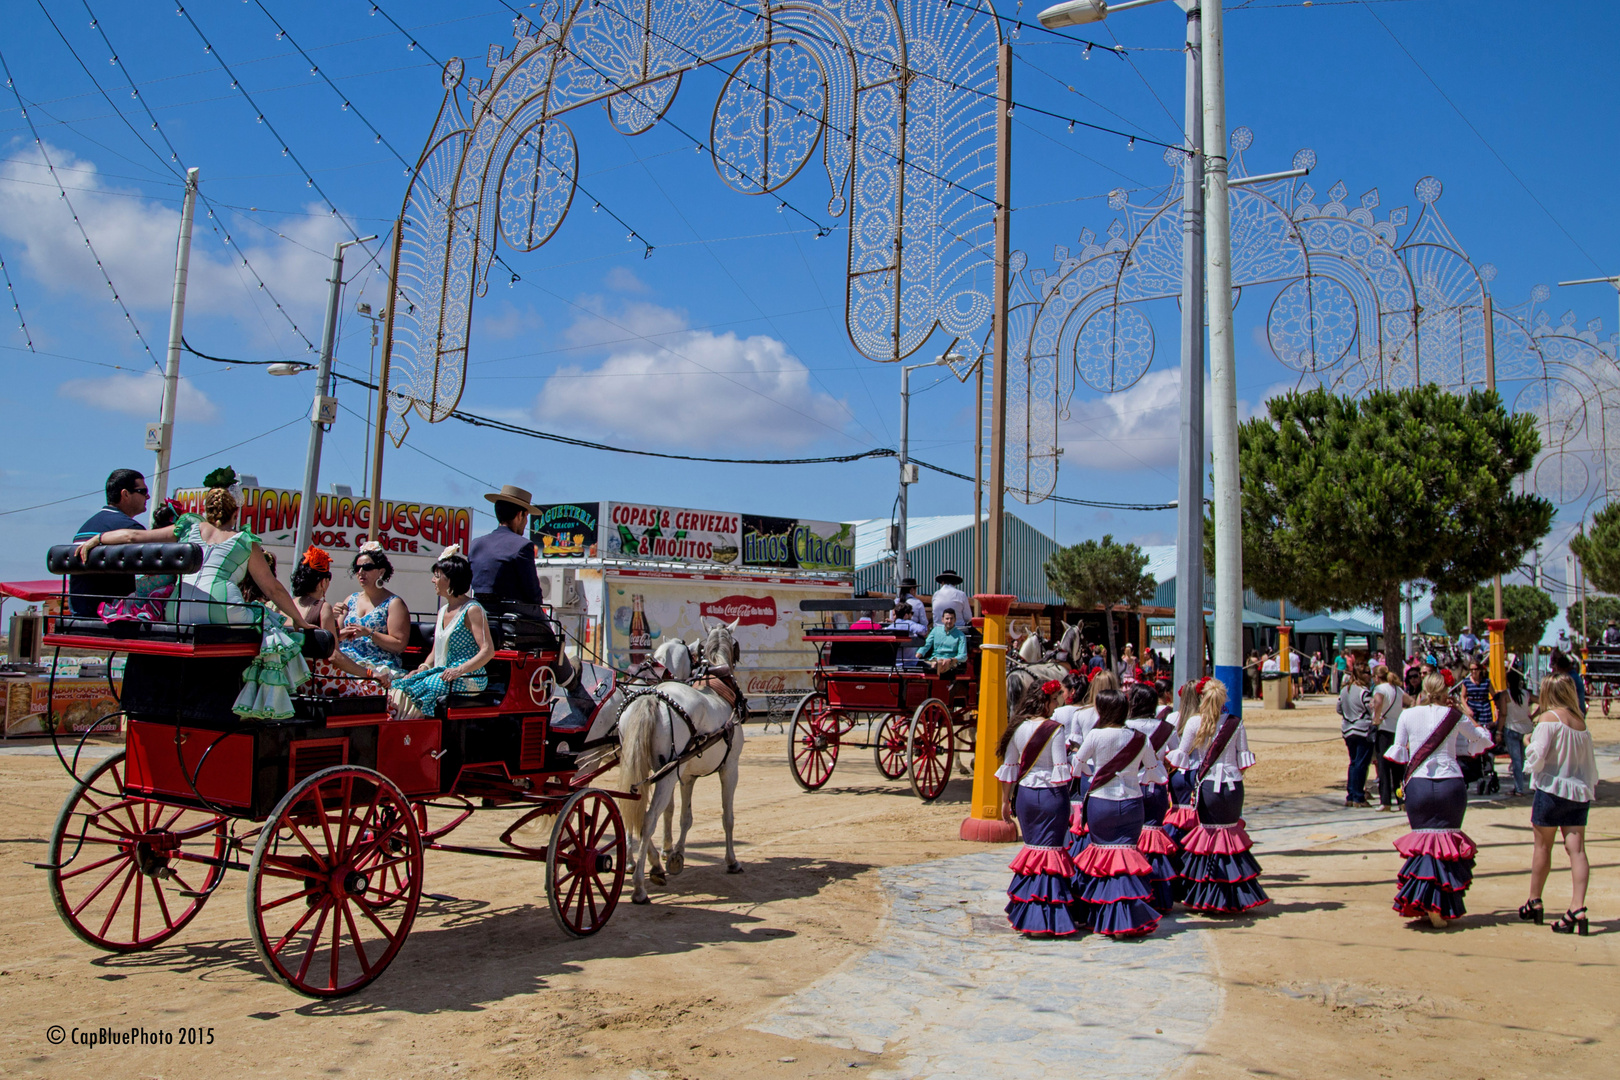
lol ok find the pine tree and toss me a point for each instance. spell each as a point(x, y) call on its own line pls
point(1345, 499)
point(1101, 574)
point(1599, 550)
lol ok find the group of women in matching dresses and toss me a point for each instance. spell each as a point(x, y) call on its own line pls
point(1127, 806)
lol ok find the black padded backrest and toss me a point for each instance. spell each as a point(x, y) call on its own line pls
point(318, 644)
point(127, 559)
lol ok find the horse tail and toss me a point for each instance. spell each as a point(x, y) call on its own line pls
point(638, 727)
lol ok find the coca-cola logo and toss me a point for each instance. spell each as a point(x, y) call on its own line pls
point(751, 610)
point(767, 684)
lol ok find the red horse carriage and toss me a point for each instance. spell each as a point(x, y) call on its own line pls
point(922, 721)
point(330, 811)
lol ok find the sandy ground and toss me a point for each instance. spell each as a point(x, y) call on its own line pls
point(1325, 982)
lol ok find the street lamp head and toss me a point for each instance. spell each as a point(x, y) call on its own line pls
point(289, 369)
point(363, 308)
point(952, 358)
point(1074, 13)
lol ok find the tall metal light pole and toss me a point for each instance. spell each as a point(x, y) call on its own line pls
point(1189, 659)
point(177, 320)
point(1223, 368)
point(908, 471)
point(324, 409)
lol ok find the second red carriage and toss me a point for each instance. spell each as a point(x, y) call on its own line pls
point(916, 723)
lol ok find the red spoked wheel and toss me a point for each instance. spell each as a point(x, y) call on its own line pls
point(585, 863)
point(123, 869)
point(813, 741)
point(890, 751)
point(335, 881)
point(929, 749)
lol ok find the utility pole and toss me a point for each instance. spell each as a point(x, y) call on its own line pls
point(324, 409)
point(1223, 368)
point(908, 471)
point(998, 349)
point(164, 439)
point(1189, 660)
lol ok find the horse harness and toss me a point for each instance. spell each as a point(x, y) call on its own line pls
point(696, 744)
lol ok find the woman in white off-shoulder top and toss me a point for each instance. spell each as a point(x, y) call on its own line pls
point(1564, 776)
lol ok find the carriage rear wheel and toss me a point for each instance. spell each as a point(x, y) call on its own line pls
point(335, 881)
point(122, 866)
point(585, 863)
point(929, 749)
point(813, 741)
point(890, 750)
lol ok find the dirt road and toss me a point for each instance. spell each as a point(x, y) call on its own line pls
point(1327, 982)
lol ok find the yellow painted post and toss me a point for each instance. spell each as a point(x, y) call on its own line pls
point(1285, 663)
point(1497, 629)
point(983, 822)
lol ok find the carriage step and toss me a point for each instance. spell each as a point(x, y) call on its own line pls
point(47, 865)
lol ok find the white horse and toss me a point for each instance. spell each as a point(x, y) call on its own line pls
point(654, 731)
point(1029, 667)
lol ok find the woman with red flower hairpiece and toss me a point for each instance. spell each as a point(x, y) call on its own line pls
point(338, 676)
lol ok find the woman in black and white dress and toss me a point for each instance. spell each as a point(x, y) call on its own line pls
point(1154, 844)
point(1439, 865)
point(1111, 877)
point(1034, 775)
point(1219, 874)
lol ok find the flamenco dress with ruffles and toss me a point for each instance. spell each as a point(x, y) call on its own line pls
point(1154, 842)
point(1219, 873)
point(1439, 856)
point(1078, 722)
point(426, 687)
point(1039, 899)
point(1112, 878)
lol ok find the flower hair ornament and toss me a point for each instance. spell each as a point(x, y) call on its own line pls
point(224, 477)
point(1050, 687)
point(453, 551)
point(371, 545)
point(318, 560)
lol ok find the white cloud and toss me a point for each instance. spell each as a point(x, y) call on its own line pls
point(624, 279)
point(135, 239)
point(140, 396)
point(1139, 428)
point(691, 388)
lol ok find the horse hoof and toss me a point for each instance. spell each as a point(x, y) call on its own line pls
point(656, 878)
point(734, 868)
point(677, 863)
point(641, 899)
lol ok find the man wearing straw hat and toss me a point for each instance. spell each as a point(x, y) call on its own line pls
point(503, 560)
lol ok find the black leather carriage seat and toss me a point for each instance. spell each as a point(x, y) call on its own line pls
point(127, 559)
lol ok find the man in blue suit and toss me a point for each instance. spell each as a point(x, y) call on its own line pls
point(503, 560)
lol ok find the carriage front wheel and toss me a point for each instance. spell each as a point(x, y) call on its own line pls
point(585, 863)
point(813, 741)
point(335, 881)
point(890, 750)
point(127, 873)
point(929, 749)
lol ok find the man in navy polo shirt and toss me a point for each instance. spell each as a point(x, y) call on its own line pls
point(126, 497)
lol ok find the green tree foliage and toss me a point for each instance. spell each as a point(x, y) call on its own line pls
point(1344, 499)
point(1599, 551)
point(1101, 574)
point(1527, 609)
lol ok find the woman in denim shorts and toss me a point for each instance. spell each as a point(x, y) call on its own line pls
point(1564, 776)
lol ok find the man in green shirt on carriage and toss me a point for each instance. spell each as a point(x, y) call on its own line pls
point(945, 648)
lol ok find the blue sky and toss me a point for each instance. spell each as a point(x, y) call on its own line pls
point(1513, 106)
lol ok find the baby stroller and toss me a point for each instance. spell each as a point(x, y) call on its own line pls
point(1480, 770)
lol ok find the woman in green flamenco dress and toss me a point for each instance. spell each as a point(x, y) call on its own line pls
point(461, 645)
point(213, 593)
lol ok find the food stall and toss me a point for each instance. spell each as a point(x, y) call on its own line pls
point(646, 573)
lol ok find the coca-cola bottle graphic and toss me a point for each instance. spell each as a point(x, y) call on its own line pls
point(640, 635)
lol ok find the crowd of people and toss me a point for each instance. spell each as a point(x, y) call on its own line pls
point(1130, 802)
point(371, 627)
